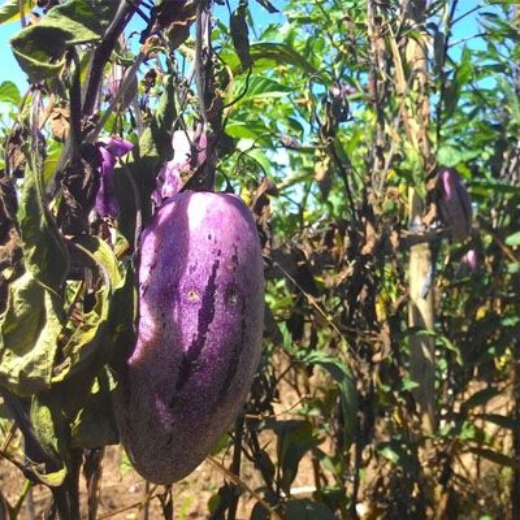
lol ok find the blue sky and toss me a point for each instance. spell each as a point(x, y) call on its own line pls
point(9, 70)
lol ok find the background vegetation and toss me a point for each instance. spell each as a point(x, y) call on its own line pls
point(390, 372)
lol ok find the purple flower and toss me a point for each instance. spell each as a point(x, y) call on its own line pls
point(116, 146)
point(111, 149)
point(454, 204)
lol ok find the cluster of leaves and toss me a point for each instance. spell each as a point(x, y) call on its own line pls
point(306, 119)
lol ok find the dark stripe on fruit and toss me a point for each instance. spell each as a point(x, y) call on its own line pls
point(234, 361)
point(206, 314)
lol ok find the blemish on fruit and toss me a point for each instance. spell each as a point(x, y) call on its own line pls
point(193, 296)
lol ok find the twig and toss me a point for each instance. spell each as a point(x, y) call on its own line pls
point(21, 10)
point(145, 503)
point(239, 482)
point(373, 53)
point(131, 506)
point(201, 58)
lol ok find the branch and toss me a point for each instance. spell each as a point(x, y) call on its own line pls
point(125, 84)
point(103, 52)
point(75, 105)
point(442, 94)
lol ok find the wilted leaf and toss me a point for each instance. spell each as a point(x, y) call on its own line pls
point(176, 18)
point(60, 122)
point(29, 333)
point(104, 258)
point(323, 173)
point(240, 35)
point(45, 253)
point(15, 158)
point(89, 346)
point(51, 432)
point(40, 48)
point(95, 425)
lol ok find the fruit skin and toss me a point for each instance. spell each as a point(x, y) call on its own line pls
point(201, 300)
point(454, 204)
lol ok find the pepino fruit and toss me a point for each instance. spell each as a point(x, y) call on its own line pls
point(201, 308)
point(454, 204)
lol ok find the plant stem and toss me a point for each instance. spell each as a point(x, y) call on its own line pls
point(235, 464)
point(145, 501)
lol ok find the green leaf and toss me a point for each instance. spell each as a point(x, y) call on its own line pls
point(490, 187)
point(399, 454)
point(40, 48)
point(260, 88)
point(50, 430)
point(45, 253)
point(95, 425)
point(295, 439)
point(265, 163)
point(76, 409)
point(247, 129)
point(82, 352)
point(90, 344)
point(10, 10)
point(51, 161)
point(51, 478)
point(9, 93)
point(452, 155)
point(29, 333)
point(306, 509)
point(513, 240)
point(103, 256)
point(341, 373)
point(268, 55)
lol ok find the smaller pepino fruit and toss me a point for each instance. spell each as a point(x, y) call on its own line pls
point(201, 308)
point(454, 204)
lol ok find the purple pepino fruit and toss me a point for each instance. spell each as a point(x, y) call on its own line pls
point(201, 305)
point(454, 204)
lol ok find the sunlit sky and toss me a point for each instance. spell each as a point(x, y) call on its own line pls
point(465, 31)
